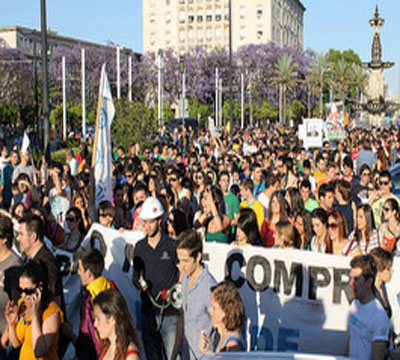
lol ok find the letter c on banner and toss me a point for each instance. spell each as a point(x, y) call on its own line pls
point(253, 262)
point(228, 268)
point(97, 241)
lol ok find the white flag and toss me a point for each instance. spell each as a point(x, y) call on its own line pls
point(25, 142)
point(102, 168)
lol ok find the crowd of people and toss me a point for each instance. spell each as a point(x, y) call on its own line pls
point(258, 187)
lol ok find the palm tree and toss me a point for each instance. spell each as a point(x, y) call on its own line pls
point(319, 74)
point(359, 79)
point(286, 76)
point(340, 77)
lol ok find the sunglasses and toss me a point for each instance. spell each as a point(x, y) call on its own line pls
point(383, 183)
point(386, 209)
point(332, 226)
point(198, 177)
point(26, 291)
point(104, 214)
point(129, 176)
point(173, 179)
point(70, 218)
point(365, 174)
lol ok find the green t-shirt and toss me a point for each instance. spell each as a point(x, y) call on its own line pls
point(231, 205)
point(311, 205)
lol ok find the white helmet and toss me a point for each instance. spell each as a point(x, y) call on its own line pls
point(151, 209)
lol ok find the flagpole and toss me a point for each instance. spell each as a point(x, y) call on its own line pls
point(83, 94)
point(94, 151)
point(64, 100)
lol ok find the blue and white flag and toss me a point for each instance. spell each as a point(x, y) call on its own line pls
point(102, 167)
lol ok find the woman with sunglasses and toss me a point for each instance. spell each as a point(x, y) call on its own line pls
point(79, 201)
point(76, 229)
point(337, 230)
point(200, 182)
point(390, 229)
point(364, 237)
point(33, 324)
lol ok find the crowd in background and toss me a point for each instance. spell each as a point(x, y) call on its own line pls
point(258, 187)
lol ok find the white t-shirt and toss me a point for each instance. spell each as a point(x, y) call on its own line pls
point(367, 323)
point(60, 204)
point(73, 164)
point(264, 201)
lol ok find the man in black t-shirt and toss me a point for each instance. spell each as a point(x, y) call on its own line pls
point(154, 272)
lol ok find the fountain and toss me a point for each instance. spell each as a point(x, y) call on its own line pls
point(376, 107)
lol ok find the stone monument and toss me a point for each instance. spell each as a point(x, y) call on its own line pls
point(376, 107)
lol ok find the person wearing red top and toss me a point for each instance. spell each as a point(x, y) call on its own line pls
point(113, 322)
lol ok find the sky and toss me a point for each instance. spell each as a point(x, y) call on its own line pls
point(337, 24)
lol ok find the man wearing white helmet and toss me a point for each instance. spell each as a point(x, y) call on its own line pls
point(154, 271)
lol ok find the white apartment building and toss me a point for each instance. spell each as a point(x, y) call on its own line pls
point(184, 24)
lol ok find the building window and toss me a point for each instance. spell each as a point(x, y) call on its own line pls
point(259, 34)
point(209, 17)
point(227, 16)
point(199, 18)
point(168, 18)
point(182, 36)
point(152, 18)
point(259, 13)
point(181, 1)
point(167, 2)
point(190, 18)
point(182, 17)
point(218, 17)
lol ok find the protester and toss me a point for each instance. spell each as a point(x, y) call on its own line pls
point(364, 238)
point(285, 235)
point(90, 269)
point(276, 212)
point(338, 233)
point(303, 224)
point(321, 241)
point(247, 228)
point(196, 292)
point(228, 317)
point(390, 229)
point(76, 230)
point(113, 322)
point(33, 324)
point(368, 324)
point(155, 269)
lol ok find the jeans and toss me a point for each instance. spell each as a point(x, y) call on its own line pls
point(159, 342)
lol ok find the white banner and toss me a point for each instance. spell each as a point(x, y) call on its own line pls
point(102, 169)
point(295, 300)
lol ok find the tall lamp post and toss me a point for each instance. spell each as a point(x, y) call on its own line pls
point(182, 71)
point(45, 76)
point(230, 69)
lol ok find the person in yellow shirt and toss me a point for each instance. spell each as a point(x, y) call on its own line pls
point(249, 201)
point(34, 323)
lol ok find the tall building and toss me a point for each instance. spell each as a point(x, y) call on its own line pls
point(184, 24)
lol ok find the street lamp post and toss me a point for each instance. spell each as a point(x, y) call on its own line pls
point(45, 75)
point(230, 69)
point(182, 70)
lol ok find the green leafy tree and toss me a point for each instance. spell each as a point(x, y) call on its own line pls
point(74, 116)
point(296, 110)
point(8, 114)
point(265, 111)
point(133, 122)
point(359, 79)
point(204, 110)
point(340, 77)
